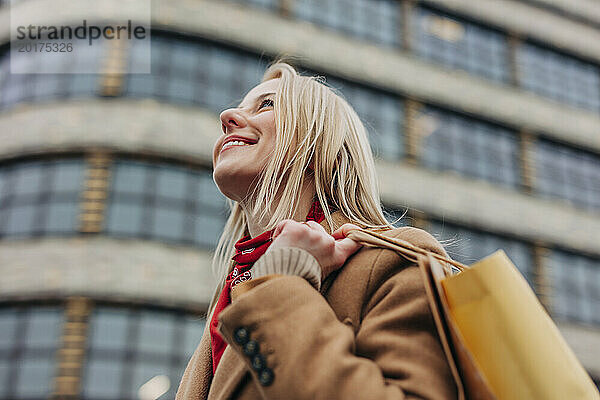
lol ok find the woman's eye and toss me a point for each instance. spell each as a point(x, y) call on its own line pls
point(266, 103)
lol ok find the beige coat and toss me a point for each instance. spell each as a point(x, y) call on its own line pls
point(368, 334)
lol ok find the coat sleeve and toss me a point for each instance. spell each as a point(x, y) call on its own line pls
point(296, 348)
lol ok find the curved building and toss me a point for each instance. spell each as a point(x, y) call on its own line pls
point(489, 114)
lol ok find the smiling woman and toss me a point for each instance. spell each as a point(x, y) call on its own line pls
point(302, 311)
point(247, 143)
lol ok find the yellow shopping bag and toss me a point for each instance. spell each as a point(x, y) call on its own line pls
point(499, 340)
point(513, 341)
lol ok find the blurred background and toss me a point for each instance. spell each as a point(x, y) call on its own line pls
point(484, 116)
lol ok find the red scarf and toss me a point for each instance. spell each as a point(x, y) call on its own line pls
point(247, 251)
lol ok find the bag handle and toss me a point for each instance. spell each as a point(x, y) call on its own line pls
point(403, 247)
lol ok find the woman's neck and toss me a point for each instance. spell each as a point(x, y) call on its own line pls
point(305, 201)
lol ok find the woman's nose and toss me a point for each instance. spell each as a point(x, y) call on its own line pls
point(231, 118)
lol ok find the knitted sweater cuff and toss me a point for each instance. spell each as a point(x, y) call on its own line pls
point(289, 261)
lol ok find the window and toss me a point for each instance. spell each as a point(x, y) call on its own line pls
point(29, 338)
point(373, 20)
point(456, 43)
point(559, 76)
point(40, 197)
point(128, 347)
point(563, 172)
point(164, 202)
point(468, 146)
point(575, 287)
point(468, 246)
point(381, 113)
point(197, 73)
point(266, 4)
point(31, 87)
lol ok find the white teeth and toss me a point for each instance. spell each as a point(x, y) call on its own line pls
point(235, 143)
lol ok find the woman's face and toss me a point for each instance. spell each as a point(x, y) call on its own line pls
point(248, 139)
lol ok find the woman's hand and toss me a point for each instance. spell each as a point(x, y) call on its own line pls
point(331, 251)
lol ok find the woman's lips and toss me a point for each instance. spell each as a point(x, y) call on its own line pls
point(234, 144)
point(237, 141)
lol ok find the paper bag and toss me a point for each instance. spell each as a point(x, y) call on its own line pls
point(510, 336)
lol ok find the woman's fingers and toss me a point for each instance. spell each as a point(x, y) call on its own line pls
point(280, 227)
point(315, 225)
point(346, 247)
point(342, 249)
point(343, 230)
point(339, 233)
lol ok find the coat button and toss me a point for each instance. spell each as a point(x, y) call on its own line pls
point(241, 336)
point(266, 376)
point(251, 348)
point(258, 362)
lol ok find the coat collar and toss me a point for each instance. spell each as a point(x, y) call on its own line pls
point(231, 367)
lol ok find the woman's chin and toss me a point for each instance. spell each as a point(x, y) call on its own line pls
point(231, 186)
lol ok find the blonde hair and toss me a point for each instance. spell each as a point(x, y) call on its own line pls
point(315, 127)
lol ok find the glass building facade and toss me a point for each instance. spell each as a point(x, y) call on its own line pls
point(155, 200)
point(378, 21)
point(129, 346)
point(472, 148)
point(164, 202)
point(569, 174)
point(459, 44)
point(126, 346)
point(559, 76)
point(576, 279)
point(29, 339)
point(186, 71)
point(40, 197)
